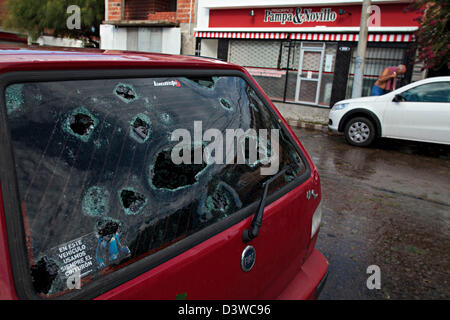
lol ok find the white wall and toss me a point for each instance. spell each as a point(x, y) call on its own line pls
point(59, 42)
point(171, 40)
point(209, 48)
point(145, 39)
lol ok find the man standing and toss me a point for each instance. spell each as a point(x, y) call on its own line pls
point(387, 80)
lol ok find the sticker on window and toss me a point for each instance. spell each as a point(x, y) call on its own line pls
point(85, 256)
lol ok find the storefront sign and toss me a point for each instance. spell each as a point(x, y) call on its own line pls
point(299, 15)
point(392, 15)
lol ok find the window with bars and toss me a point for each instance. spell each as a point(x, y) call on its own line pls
point(254, 53)
point(262, 57)
point(377, 59)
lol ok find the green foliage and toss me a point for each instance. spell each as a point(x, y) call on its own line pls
point(35, 16)
point(433, 36)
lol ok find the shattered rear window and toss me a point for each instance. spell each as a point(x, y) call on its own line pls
point(97, 186)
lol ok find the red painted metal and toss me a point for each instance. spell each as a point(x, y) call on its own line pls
point(286, 265)
point(393, 16)
point(12, 37)
point(7, 291)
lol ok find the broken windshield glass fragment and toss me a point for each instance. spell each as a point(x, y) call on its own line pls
point(225, 104)
point(109, 248)
point(295, 169)
point(125, 92)
point(140, 128)
point(290, 175)
point(107, 227)
point(80, 123)
point(98, 143)
point(207, 82)
point(252, 105)
point(248, 148)
point(43, 273)
point(166, 118)
point(132, 202)
point(95, 201)
point(223, 201)
point(147, 103)
point(167, 175)
point(254, 150)
point(14, 97)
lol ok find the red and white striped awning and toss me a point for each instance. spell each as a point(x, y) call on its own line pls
point(373, 37)
point(243, 35)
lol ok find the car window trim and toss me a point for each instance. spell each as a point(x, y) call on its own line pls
point(424, 84)
point(15, 219)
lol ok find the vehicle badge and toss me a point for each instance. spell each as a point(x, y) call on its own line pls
point(248, 258)
point(311, 193)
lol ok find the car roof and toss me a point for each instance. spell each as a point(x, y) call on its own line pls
point(432, 79)
point(54, 58)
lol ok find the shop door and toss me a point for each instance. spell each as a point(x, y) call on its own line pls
point(309, 72)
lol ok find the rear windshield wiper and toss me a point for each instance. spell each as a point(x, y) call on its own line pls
point(251, 233)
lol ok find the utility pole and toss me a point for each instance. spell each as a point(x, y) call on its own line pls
point(122, 10)
point(361, 51)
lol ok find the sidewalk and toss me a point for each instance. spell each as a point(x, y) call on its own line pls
point(304, 116)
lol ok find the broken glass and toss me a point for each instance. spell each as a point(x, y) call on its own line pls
point(132, 201)
point(167, 175)
point(140, 128)
point(80, 123)
point(125, 92)
point(95, 176)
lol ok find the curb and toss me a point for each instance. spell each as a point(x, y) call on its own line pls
point(308, 125)
point(311, 126)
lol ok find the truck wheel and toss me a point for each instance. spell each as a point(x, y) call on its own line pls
point(359, 132)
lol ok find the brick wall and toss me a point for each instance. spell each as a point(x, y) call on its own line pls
point(114, 7)
point(183, 10)
point(165, 16)
point(152, 10)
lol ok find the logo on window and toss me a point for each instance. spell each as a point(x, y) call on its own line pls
point(173, 83)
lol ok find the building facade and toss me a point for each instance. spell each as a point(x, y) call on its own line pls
point(164, 26)
point(304, 51)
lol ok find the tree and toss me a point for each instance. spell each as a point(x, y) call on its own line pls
point(432, 39)
point(36, 16)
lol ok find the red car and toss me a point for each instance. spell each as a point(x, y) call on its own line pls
point(93, 204)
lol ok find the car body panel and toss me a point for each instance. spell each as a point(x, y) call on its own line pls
point(205, 277)
point(211, 269)
point(303, 285)
point(428, 122)
point(375, 109)
point(7, 291)
point(419, 121)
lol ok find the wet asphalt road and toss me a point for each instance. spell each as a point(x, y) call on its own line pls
point(388, 205)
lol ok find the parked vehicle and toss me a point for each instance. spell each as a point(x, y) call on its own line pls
point(93, 206)
point(419, 111)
